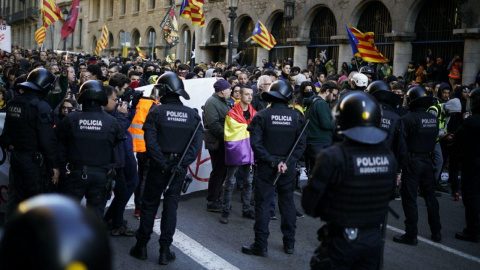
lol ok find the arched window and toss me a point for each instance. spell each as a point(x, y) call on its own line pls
point(136, 39)
point(434, 29)
point(218, 34)
point(323, 27)
point(376, 18)
point(281, 33)
point(249, 53)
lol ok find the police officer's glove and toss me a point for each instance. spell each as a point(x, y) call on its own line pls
point(168, 168)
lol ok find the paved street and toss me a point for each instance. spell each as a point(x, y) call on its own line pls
point(201, 242)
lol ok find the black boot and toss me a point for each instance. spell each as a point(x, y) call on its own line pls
point(253, 249)
point(139, 252)
point(405, 239)
point(166, 255)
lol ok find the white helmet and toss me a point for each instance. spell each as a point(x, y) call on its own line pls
point(360, 80)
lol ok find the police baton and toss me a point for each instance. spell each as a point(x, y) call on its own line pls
point(182, 157)
point(291, 151)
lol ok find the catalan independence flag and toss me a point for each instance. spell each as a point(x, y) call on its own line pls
point(103, 42)
point(263, 37)
point(237, 139)
point(193, 10)
point(140, 53)
point(50, 12)
point(317, 86)
point(40, 35)
point(364, 45)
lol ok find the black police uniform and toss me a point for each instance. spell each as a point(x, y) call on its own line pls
point(273, 132)
point(350, 189)
point(421, 130)
point(467, 146)
point(168, 129)
point(29, 130)
point(89, 137)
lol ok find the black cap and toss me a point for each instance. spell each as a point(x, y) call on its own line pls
point(418, 97)
point(381, 91)
point(39, 80)
point(358, 117)
point(92, 90)
point(169, 82)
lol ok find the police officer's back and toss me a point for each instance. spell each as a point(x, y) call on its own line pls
point(28, 133)
point(168, 130)
point(421, 130)
point(89, 137)
point(350, 187)
point(273, 132)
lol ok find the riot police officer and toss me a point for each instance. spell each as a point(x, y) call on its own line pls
point(54, 232)
point(466, 144)
point(421, 130)
point(350, 187)
point(89, 137)
point(273, 132)
point(28, 134)
point(168, 130)
point(390, 121)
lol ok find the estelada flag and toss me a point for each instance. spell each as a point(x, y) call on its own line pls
point(69, 25)
point(50, 12)
point(193, 10)
point(363, 45)
point(263, 37)
point(40, 35)
point(140, 53)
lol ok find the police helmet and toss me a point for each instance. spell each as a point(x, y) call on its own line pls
point(366, 70)
point(169, 82)
point(382, 92)
point(93, 90)
point(358, 117)
point(39, 80)
point(417, 96)
point(279, 91)
point(54, 232)
point(360, 80)
point(475, 100)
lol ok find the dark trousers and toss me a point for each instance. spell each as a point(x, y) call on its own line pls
point(26, 178)
point(419, 173)
point(337, 253)
point(154, 187)
point(131, 172)
point(218, 174)
point(92, 185)
point(471, 196)
point(142, 159)
point(117, 207)
point(453, 170)
point(311, 153)
point(264, 191)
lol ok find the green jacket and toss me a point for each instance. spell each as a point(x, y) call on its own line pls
point(320, 129)
point(215, 112)
point(55, 98)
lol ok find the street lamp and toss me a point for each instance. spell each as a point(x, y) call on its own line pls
point(232, 16)
point(65, 15)
point(289, 10)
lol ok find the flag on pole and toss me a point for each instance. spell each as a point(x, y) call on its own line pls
point(169, 25)
point(140, 53)
point(69, 25)
point(50, 12)
point(193, 10)
point(103, 42)
point(263, 37)
point(363, 45)
point(40, 35)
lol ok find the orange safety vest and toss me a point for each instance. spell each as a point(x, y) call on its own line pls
point(136, 128)
point(455, 72)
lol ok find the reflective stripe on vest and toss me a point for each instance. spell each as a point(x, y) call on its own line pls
point(138, 137)
point(136, 127)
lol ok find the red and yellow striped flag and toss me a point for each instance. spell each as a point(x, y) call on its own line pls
point(50, 12)
point(140, 53)
point(193, 10)
point(103, 42)
point(363, 44)
point(40, 35)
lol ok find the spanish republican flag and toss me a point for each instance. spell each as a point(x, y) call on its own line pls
point(237, 139)
point(364, 45)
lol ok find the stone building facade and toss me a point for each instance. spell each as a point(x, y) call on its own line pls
point(405, 30)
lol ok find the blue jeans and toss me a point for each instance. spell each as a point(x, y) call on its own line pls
point(229, 185)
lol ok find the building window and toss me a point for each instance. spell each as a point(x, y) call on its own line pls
point(80, 26)
point(136, 6)
point(95, 13)
point(168, 3)
point(109, 8)
point(123, 6)
point(151, 4)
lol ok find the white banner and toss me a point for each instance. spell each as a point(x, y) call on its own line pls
point(5, 38)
